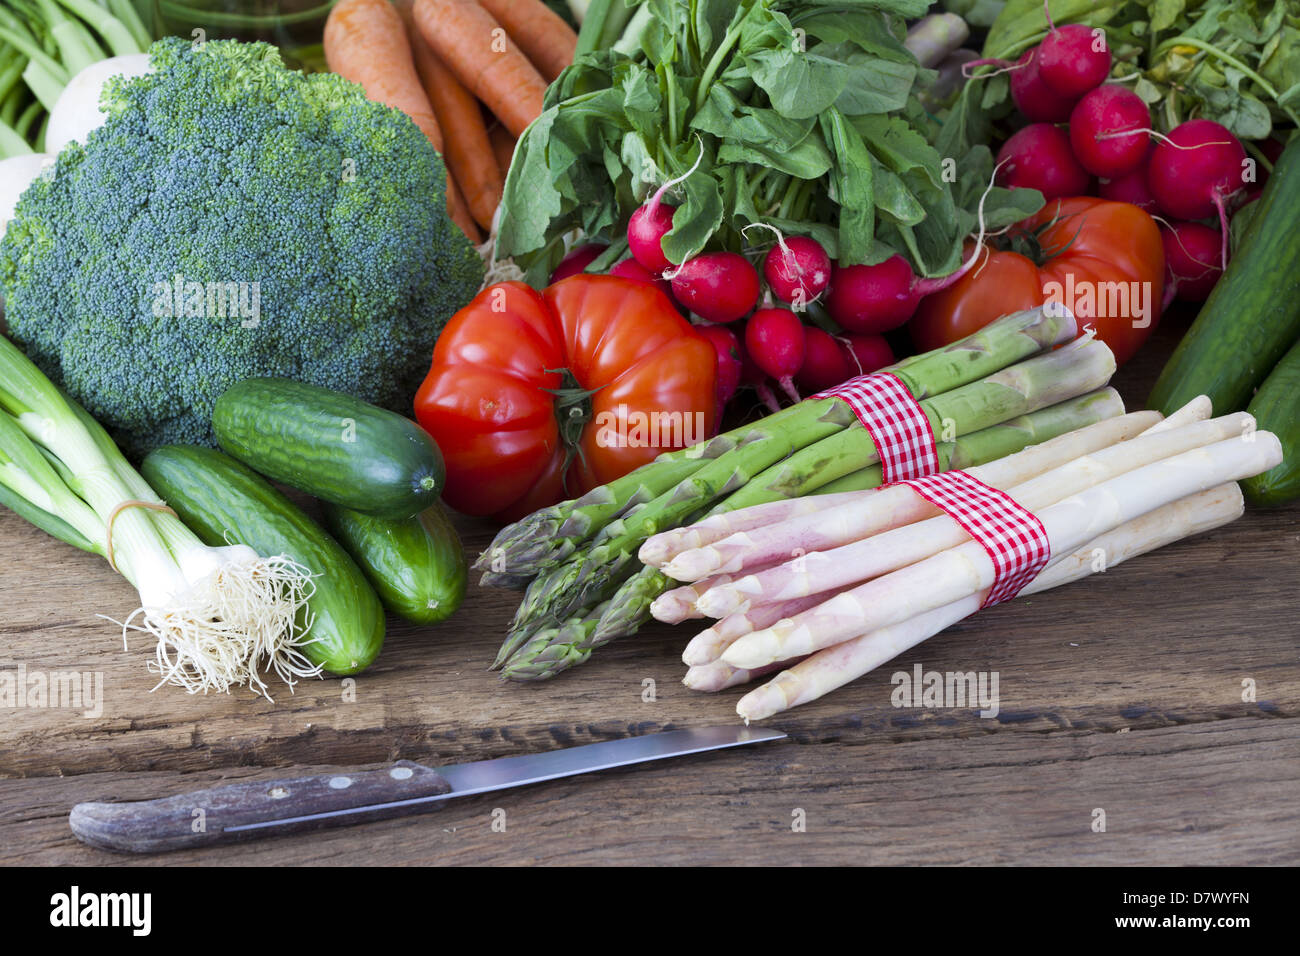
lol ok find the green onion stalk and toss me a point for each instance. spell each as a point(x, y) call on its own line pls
point(221, 617)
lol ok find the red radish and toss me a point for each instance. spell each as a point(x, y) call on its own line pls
point(1037, 101)
point(774, 339)
point(880, 297)
point(645, 232)
point(647, 226)
point(1191, 259)
point(717, 286)
point(1196, 171)
point(1074, 59)
point(797, 270)
point(631, 269)
point(1131, 188)
point(1108, 130)
point(873, 298)
point(729, 364)
point(1039, 157)
point(826, 362)
point(868, 353)
point(577, 260)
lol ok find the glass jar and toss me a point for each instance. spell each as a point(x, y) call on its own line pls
point(295, 26)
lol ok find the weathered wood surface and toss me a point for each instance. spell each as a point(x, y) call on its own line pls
point(1123, 692)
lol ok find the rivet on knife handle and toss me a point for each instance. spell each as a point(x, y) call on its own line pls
point(206, 817)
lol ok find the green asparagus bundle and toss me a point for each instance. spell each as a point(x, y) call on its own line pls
point(588, 586)
point(555, 649)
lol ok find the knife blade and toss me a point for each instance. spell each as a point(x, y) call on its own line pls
point(246, 811)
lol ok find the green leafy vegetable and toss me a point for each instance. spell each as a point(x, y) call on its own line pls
point(802, 114)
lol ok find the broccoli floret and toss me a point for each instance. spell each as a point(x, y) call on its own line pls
point(234, 218)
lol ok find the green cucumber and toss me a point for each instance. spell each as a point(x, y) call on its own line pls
point(330, 445)
point(1252, 316)
point(1276, 407)
point(416, 565)
point(226, 502)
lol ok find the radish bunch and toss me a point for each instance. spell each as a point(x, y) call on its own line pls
point(1087, 135)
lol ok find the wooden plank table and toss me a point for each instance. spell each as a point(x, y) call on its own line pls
point(1120, 695)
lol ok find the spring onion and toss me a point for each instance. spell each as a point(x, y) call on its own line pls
point(221, 617)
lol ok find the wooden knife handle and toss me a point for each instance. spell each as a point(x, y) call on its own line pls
point(205, 817)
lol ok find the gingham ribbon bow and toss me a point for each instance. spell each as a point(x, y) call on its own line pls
point(896, 422)
point(1011, 534)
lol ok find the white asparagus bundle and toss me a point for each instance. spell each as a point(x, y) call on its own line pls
point(892, 506)
point(900, 547)
point(1172, 522)
point(967, 569)
point(820, 673)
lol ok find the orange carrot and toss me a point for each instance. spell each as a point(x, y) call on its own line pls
point(477, 49)
point(540, 32)
point(366, 43)
point(469, 154)
point(503, 145)
point(458, 209)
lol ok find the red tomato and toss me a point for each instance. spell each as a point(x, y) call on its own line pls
point(635, 380)
point(1104, 260)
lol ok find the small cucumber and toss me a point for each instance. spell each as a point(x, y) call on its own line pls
point(1276, 407)
point(226, 502)
point(416, 565)
point(330, 445)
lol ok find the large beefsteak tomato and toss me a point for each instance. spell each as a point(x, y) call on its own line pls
point(534, 397)
point(1104, 260)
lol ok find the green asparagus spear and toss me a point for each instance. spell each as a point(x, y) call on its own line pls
point(551, 535)
point(554, 649)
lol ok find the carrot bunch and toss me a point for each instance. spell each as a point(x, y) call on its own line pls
point(470, 73)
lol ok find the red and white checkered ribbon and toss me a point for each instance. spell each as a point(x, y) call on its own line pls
point(1011, 534)
point(895, 421)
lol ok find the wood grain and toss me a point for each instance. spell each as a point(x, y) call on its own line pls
point(1123, 692)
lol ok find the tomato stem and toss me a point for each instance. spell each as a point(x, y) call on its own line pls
point(572, 411)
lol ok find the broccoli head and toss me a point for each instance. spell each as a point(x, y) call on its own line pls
point(234, 218)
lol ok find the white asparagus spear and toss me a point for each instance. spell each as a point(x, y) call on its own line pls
point(836, 666)
point(1197, 410)
point(889, 507)
point(967, 569)
point(658, 549)
point(708, 645)
point(719, 675)
point(677, 605)
point(899, 547)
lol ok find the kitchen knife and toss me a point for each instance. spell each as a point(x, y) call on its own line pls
point(246, 811)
